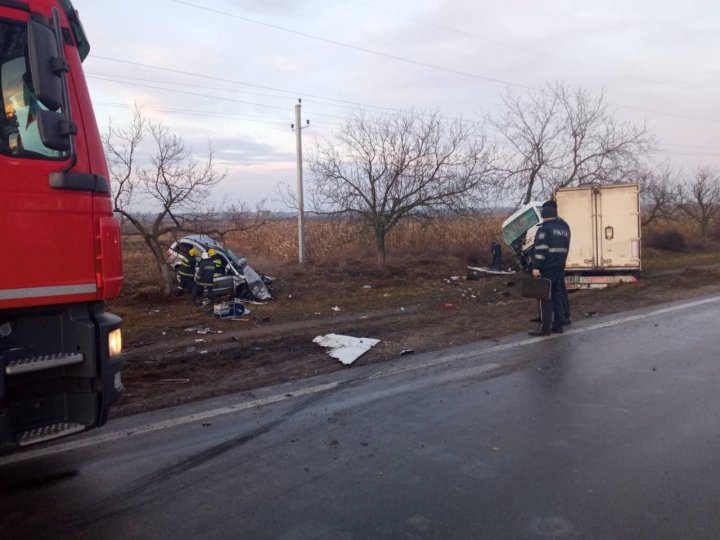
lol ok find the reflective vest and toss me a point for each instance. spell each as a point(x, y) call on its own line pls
point(219, 263)
point(187, 266)
point(205, 273)
point(552, 241)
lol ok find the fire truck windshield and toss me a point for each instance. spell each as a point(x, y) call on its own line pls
point(19, 133)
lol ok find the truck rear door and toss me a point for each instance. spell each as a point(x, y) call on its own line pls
point(619, 226)
point(577, 207)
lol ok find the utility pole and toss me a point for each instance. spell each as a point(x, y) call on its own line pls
point(297, 127)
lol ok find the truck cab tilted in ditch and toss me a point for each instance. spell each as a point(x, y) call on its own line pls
point(59, 350)
point(604, 223)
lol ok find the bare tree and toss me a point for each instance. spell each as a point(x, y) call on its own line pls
point(171, 183)
point(561, 137)
point(531, 126)
point(234, 217)
point(390, 168)
point(658, 190)
point(699, 199)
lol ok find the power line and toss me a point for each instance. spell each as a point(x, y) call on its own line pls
point(114, 77)
point(422, 64)
point(361, 49)
point(528, 51)
point(118, 78)
point(205, 113)
point(184, 84)
point(663, 113)
point(716, 149)
point(220, 114)
point(176, 91)
point(241, 83)
point(223, 114)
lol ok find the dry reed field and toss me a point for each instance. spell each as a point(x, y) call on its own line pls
point(336, 241)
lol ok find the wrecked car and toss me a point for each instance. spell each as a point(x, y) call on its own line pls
point(240, 280)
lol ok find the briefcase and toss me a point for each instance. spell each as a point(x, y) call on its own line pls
point(535, 288)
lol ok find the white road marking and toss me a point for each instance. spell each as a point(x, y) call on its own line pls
point(166, 424)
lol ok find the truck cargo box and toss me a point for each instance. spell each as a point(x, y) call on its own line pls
point(605, 226)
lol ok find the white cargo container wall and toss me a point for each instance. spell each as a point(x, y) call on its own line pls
point(605, 226)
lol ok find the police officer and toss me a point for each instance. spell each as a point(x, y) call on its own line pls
point(186, 270)
point(552, 241)
point(204, 278)
point(565, 296)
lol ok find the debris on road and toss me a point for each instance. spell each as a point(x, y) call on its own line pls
point(406, 351)
point(230, 310)
point(336, 308)
point(199, 330)
point(347, 349)
point(476, 273)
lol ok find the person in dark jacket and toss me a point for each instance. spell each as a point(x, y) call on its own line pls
point(496, 251)
point(552, 241)
point(218, 261)
point(565, 296)
point(186, 270)
point(204, 278)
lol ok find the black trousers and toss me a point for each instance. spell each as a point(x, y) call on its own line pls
point(565, 298)
point(187, 282)
point(202, 290)
point(552, 312)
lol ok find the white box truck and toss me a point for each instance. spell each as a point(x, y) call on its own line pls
point(604, 223)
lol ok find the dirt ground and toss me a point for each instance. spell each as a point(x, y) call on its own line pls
point(418, 307)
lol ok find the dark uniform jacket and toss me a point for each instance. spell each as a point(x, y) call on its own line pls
point(219, 263)
point(206, 270)
point(187, 266)
point(552, 241)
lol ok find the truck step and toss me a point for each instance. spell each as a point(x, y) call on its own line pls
point(39, 363)
point(47, 433)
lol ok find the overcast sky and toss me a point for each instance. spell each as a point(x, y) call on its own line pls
point(231, 71)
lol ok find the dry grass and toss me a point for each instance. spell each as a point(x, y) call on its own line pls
point(334, 242)
point(347, 247)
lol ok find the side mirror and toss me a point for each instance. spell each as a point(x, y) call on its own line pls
point(46, 66)
point(55, 130)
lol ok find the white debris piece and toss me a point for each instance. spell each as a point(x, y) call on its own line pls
point(486, 270)
point(347, 349)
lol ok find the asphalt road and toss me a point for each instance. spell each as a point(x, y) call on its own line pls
point(608, 431)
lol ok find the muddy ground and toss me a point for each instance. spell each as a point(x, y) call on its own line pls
point(418, 307)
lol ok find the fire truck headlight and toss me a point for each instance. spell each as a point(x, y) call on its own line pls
point(115, 342)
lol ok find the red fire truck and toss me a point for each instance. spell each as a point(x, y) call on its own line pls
point(60, 256)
